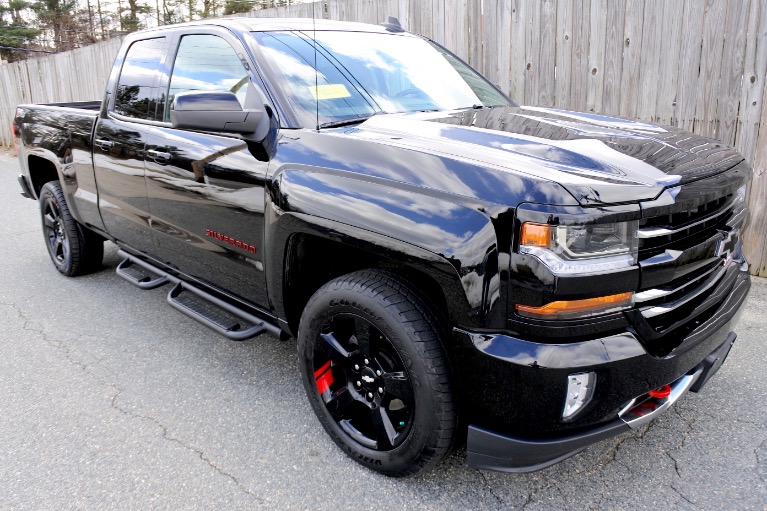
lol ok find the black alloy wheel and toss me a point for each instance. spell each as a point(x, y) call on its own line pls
point(73, 249)
point(53, 229)
point(376, 372)
point(364, 384)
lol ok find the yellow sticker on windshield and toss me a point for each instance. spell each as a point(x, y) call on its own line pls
point(330, 91)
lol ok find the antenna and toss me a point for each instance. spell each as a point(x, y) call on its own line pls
point(316, 72)
point(393, 25)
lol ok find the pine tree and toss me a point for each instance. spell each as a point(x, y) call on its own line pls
point(58, 17)
point(15, 31)
point(209, 8)
point(130, 20)
point(237, 6)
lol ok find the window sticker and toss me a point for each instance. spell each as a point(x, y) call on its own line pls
point(330, 91)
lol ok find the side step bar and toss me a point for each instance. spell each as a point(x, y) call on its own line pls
point(140, 276)
point(237, 325)
point(220, 316)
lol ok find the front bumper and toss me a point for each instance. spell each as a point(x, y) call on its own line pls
point(512, 390)
point(492, 451)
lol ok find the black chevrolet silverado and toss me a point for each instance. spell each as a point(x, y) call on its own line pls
point(455, 267)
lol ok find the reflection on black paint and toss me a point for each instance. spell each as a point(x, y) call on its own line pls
point(211, 182)
point(133, 101)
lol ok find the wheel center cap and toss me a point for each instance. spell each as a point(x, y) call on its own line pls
point(368, 378)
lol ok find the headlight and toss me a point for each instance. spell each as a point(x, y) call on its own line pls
point(577, 249)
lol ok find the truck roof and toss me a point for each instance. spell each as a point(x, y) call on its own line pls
point(273, 24)
point(270, 24)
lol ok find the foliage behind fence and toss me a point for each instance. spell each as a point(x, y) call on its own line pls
point(698, 64)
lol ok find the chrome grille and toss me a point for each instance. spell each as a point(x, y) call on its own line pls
point(692, 250)
point(681, 230)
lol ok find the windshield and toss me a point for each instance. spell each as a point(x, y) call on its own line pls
point(360, 74)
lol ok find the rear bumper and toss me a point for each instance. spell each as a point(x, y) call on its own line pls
point(492, 451)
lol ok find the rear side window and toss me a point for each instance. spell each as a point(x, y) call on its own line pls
point(135, 95)
point(207, 62)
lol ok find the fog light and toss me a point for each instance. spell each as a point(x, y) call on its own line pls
point(580, 389)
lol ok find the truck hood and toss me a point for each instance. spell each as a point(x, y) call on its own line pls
point(597, 159)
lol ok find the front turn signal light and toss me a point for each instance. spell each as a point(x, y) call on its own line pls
point(536, 235)
point(568, 309)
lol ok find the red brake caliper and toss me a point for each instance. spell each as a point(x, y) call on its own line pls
point(324, 377)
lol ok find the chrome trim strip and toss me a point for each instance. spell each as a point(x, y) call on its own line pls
point(652, 294)
point(651, 312)
point(737, 218)
point(679, 388)
point(654, 232)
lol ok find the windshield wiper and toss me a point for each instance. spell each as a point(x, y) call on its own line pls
point(347, 122)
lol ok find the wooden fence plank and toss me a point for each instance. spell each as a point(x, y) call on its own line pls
point(532, 51)
point(518, 40)
point(755, 242)
point(632, 55)
point(403, 13)
point(648, 67)
point(598, 19)
point(668, 72)
point(350, 12)
point(731, 74)
point(547, 54)
point(425, 7)
point(754, 78)
point(476, 24)
point(613, 66)
point(438, 20)
point(334, 9)
point(490, 28)
point(710, 65)
point(564, 50)
point(22, 73)
point(12, 98)
point(457, 39)
point(689, 63)
point(580, 61)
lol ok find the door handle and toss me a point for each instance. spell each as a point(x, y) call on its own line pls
point(158, 156)
point(104, 144)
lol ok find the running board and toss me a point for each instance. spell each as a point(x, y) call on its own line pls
point(140, 276)
point(220, 316)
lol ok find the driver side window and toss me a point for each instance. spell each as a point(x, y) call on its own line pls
point(206, 62)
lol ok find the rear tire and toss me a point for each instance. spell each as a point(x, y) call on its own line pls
point(376, 373)
point(73, 249)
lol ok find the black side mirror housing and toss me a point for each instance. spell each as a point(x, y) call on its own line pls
point(217, 111)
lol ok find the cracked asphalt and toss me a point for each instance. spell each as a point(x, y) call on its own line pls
point(112, 400)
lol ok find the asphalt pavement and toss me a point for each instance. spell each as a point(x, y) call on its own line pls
point(110, 399)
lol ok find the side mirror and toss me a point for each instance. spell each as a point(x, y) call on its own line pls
point(217, 111)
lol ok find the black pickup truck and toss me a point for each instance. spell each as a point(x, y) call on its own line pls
point(455, 267)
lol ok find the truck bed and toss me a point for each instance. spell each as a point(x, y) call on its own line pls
point(79, 105)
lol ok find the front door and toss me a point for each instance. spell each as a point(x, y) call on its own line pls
point(206, 191)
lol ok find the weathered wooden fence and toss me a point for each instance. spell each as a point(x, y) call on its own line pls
point(698, 64)
point(77, 75)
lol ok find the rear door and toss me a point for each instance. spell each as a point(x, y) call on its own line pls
point(119, 144)
point(206, 190)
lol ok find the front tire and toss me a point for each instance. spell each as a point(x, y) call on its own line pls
point(376, 373)
point(73, 250)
